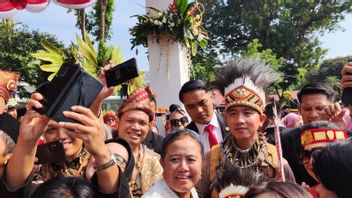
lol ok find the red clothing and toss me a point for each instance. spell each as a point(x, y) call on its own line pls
point(313, 191)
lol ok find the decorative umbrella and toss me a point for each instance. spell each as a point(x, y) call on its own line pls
point(8, 8)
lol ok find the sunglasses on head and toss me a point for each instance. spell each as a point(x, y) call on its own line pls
point(177, 122)
point(307, 154)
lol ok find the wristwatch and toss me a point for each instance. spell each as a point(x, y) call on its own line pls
point(108, 164)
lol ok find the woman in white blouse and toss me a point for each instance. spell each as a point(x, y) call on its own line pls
point(181, 158)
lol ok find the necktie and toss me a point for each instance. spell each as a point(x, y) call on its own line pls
point(211, 135)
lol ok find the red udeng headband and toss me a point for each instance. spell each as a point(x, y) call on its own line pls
point(314, 136)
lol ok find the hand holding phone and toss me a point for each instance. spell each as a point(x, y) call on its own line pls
point(347, 92)
point(121, 73)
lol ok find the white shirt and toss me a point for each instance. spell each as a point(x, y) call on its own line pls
point(161, 190)
point(205, 135)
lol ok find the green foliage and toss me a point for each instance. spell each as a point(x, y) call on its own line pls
point(289, 28)
point(203, 66)
point(252, 50)
point(16, 44)
point(84, 53)
point(182, 22)
point(93, 20)
point(329, 72)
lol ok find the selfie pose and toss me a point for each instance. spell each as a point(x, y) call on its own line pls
point(80, 139)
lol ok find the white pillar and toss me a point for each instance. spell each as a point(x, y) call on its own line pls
point(168, 62)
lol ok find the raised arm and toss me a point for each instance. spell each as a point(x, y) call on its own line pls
point(32, 127)
point(104, 93)
point(90, 131)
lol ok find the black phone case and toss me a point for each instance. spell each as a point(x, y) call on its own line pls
point(122, 73)
point(50, 152)
point(70, 86)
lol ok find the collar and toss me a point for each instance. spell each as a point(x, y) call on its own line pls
point(213, 121)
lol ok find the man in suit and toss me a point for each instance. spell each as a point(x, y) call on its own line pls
point(196, 97)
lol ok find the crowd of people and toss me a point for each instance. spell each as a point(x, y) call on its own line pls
point(202, 152)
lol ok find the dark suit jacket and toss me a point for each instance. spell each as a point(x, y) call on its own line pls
point(223, 125)
point(154, 141)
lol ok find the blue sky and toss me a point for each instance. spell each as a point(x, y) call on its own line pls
point(55, 20)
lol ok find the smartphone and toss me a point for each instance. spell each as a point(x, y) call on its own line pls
point(52, 90)
point(347, 92)
point(50, 152)
point(122, 73)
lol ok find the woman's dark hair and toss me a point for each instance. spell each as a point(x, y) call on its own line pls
point(177, 134)
point(333, 167)
point(68, 187)
point(278, 189)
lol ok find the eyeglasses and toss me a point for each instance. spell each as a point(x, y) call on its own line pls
point(177, 122)
point(307, 154)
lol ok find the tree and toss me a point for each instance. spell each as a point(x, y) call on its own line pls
point(289, 28)
point(98, 21)
point(330, 72)
point(16, 44)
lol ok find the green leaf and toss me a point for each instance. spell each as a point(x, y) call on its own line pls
point(117, 56)
point(194, 48)
point(88, 52)
point(48, 56)
point(49, 47)
point(50, 67)
point(51, 76)
point(203, 43)
point(182, 6)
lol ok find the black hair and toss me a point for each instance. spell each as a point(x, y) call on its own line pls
point(173, 107)
point(10, 125)
point(315, 88)
point(278, 189)
point(68, 187)
point(268, 110)
point(333, 167)
point(174, 135)
point(192, 85)
point(8, 142)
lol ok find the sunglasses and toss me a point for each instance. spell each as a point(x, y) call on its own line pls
point(307, 154)
point(177, 122)
point(109, 119)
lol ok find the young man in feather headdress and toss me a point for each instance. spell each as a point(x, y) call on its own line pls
point(244, 83)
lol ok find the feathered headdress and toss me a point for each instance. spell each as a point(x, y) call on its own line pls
point(232, 181)
point(244, 83)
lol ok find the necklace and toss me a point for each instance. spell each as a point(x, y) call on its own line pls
point(241, 158)
point(136, 190)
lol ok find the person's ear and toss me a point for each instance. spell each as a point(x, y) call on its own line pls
point(262, 118)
